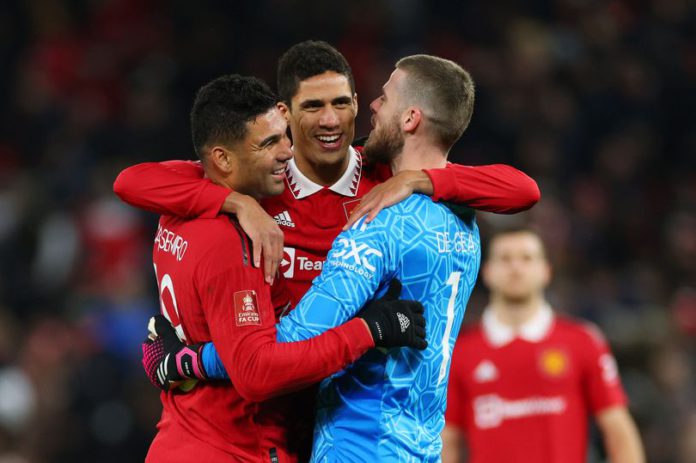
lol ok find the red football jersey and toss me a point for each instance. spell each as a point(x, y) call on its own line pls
point(311, 215)
point(210, 292)
point(527, 397)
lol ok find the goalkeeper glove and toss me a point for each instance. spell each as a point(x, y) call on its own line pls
point(394, 322)
point(168, 362)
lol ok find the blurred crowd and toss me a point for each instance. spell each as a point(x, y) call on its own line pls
point(594, 99)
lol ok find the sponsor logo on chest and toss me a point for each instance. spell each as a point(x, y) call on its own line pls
point(292, 263)
point(355, 257)
point(491, 410)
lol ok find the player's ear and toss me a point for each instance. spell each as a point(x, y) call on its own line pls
point(284, 110)
point(411, 118)
point(548, 274)
point(221, 158)
point(355, 103)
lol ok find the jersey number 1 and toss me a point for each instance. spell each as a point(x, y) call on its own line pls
point(452, 281)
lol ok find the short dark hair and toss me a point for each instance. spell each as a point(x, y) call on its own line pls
point(308, 59)
point(223, 107)
point(444, 89)
point(513, 230)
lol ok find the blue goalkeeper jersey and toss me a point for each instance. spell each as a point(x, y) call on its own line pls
point(389, 405)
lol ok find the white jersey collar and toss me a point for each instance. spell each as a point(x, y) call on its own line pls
point(347, 185)
point(533, 330)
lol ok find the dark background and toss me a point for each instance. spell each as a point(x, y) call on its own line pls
point(594, 99)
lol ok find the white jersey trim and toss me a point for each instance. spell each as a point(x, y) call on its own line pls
point(533, 330)
point(347, 185)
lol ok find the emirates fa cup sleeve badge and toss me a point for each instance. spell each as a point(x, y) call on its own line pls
point(246, 308)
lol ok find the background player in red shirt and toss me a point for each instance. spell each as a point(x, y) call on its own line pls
point(209, 291)
point(524, 381)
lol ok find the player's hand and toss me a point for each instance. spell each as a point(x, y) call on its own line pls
point(394, 322)
point(265, 234)
point(386, 194)
point(168, 362)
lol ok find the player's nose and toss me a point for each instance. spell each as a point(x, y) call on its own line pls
point(284, 150)
point(329, 117)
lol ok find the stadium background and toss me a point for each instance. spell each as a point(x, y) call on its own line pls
point(594, 99)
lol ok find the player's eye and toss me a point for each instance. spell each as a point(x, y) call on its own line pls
point(269, 142)
point(341, 103)
point(311, 106)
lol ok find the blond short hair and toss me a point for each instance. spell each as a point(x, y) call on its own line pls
point(444, 90)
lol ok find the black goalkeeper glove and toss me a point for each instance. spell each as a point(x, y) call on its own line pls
point(168, 362)
point(394, 322)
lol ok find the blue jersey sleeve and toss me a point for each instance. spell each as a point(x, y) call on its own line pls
point(360, 264)
point(212, 364)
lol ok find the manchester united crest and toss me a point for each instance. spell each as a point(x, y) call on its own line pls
point(348, 206)
point(554, 363)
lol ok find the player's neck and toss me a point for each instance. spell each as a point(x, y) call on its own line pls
point(322, 174)
point(419, 154)
point(516, 314)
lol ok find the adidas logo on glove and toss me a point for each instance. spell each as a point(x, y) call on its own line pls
point(403, 321)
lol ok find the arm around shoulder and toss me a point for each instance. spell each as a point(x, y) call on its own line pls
point(175, 188)
point(498, 188)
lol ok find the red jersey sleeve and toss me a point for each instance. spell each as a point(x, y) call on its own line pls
point(280, 297)
point(175, 188)
point(241, 320)
point(495, 188)
point(602, 383)
point(457, 396)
